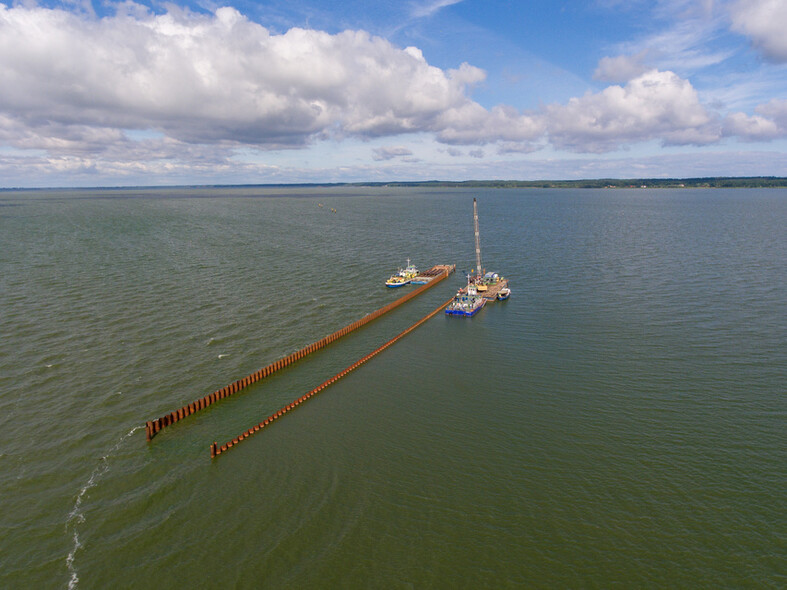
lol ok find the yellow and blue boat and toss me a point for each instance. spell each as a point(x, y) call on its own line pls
point(403, 277)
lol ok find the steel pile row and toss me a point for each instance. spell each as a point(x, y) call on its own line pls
point(216, 450)
point(153, 427)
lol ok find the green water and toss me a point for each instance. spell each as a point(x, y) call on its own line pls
point(619, 422)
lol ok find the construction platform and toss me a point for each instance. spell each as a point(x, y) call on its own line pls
point(433, 272)
point(491, 291)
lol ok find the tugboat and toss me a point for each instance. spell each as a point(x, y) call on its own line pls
point(467, 302)
point(403, 277)
point(397, 281)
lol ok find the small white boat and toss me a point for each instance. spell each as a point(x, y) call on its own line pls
point(410, 271)
point(503, 294)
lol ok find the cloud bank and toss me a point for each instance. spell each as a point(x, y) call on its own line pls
point(198, 86)
point(654, 105)
point(216, 78)
point(222, 78)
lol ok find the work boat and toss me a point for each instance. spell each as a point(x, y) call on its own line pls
point(467, 302)
point(403, 277)
point(397, 281)
point(409, 271)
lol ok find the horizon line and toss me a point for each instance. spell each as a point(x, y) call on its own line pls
point(767, 182)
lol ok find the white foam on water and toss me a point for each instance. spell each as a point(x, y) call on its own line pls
point(221, 356)
point(76, 516)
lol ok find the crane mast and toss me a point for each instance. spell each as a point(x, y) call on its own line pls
point(477, 239)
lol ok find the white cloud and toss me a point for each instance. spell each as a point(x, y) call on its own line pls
point(422, 9)
point(41, 171)
point(206, 79)
point(763, 21)
point(512, 147)
point(770, 122)
point(685, 40)
point(654, 105)
point(389, 153)
point(776, 109)
point(621, 68)
point(753, 128)
point(75, 88)
point(472, 124)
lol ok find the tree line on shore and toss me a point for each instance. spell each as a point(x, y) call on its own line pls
point(609, 183)
point(707, 182)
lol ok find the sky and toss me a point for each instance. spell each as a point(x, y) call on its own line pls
point(105, 93)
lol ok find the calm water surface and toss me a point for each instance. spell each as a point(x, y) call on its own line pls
point(619, 422)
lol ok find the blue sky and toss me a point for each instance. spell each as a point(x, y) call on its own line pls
point(124, 93)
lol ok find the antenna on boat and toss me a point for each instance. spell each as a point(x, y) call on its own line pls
point(477, 238)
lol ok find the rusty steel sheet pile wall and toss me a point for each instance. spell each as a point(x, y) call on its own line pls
point(216, 450)
point(153, 427)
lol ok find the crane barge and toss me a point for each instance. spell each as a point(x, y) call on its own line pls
point(482, 287)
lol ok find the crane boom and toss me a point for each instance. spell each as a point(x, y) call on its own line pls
point(477, 239)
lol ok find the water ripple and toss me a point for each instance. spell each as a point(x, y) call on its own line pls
point(77, 515)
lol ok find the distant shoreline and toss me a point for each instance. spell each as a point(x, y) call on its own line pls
point(709, 182)
point(608, 183)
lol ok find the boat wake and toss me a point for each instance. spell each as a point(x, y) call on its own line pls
point(76, 516)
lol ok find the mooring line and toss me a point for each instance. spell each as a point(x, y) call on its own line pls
point(216, 450)
point(153, 427)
